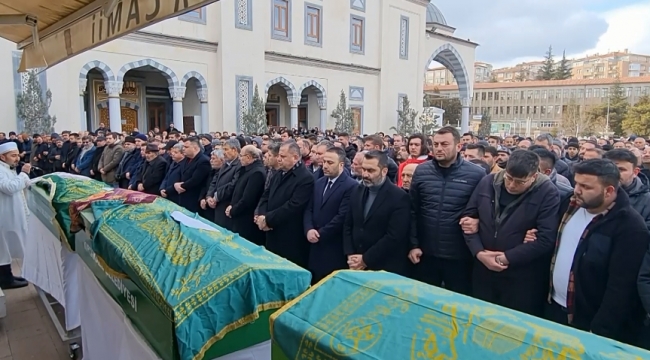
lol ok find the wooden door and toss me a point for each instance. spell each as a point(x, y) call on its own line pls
point(188, 124)
point(302, 117)
point(130, 119)
point(156, 115)
point(272, 116)
point(356, 119)
point(129, 116)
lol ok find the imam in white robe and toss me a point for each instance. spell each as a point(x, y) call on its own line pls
point(13, 213)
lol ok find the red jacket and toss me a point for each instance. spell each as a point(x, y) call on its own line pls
point(418, 160)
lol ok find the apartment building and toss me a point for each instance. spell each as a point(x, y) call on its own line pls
point(534, 107)
point(440, 75)
point(527, 71)
point(620, 64)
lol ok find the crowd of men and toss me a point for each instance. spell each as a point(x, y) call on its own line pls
point(556, 228)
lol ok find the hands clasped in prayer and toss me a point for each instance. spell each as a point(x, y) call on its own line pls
point(493, 260)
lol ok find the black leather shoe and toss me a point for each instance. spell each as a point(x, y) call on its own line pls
point(15, 284)
point(18, 278)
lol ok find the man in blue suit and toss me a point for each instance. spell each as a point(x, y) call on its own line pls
point(325, 215)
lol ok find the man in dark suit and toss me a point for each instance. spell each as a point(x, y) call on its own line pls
point(195, 170)
point(153, 171)
point(220, 192)
point(282, 206)
point(173, 175)
point(326, 213)
point(248, 190)
point(375, 233)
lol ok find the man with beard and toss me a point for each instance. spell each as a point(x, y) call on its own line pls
point(282, 206)
point(631, 182)
point(439, 192)
point(503, 154)
point(375, 232)
point(13, 213)
point(248, 190)
point(600, 247)
point(222, 186)
point(325, 215)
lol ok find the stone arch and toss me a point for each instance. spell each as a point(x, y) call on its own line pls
point(104, 69)
point(286, 85)
point(448, 56)
point(321, 94)
point(123, 103)
point(202, 84)
point(169, 74)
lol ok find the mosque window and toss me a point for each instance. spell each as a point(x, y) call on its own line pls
point(281, 20)
point(313, 24)
point(357, 34)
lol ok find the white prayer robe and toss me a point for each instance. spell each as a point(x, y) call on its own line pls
point(14, 213)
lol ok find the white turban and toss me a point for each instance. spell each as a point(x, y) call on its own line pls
point(7, 147)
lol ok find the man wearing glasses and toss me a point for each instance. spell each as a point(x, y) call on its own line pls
point(508, 271)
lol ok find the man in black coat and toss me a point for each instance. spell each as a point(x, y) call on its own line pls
point(153, 171)
point(100, 145)
point(376, 228)
point(439, 192)
point(195, 170)
point(221, 188)
point(326, 214)
point(508, 271)
point(601, 244)
point(173, 174)
point(631, 181)
point(248, 190)
point(282, 206)
point(375, 142)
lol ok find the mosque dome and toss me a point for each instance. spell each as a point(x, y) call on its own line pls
point(434, 15)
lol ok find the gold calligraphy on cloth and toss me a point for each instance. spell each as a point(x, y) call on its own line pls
point(381, 315)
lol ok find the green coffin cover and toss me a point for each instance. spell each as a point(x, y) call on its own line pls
point(379, 315)
point(212, 282)
point(61, 193)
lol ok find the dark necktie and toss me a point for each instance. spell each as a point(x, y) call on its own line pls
point(327, 188)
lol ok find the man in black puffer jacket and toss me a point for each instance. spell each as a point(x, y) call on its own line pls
point(440, 190)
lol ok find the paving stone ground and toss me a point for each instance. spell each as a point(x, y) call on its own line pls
point(27, 332)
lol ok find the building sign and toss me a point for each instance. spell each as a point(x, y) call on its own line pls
point(130, 91)
point(96, 29)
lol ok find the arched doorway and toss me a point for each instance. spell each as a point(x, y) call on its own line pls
point(93, 76)
point(195, 103)
point(447, 56)
point(312, 110)
point(154, 88)
point(282, 102)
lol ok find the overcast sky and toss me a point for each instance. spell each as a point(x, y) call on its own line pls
point(510, 32)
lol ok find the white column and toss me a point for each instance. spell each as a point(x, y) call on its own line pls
point(178, 93)
point(205, 122)
point(293, 102)
point(322, 103)
point(464, 119)
point(82, 111)
point(114, 89)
